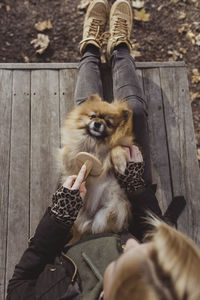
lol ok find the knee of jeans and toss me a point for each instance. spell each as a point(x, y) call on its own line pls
point(89, 59)
point(79, 101)
point(137, 103)
point(122, 56)
point(139, 109)
point(140, 112)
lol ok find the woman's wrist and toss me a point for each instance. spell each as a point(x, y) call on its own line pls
point(68, 199)
point(66, 205)
point(132, 179)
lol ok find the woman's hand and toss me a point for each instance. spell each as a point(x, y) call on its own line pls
point(76, 182)
point(68, 199)
point(132, 178)
point(133, 154)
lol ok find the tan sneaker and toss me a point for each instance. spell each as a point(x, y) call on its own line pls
point(94, 24)
point(121, 19)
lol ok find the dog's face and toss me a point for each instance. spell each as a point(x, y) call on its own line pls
point(103, 124)
point(103, 121)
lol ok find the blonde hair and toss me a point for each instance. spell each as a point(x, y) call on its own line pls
point(171, 273)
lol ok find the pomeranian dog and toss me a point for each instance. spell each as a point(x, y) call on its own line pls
point(100, 128)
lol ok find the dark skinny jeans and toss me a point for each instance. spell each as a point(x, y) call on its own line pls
point(126, 85)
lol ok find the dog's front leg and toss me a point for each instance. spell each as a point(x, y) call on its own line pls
point(119, 158)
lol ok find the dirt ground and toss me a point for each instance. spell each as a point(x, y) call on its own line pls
point(172, 33)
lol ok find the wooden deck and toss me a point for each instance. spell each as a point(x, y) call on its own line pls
point(34, 99)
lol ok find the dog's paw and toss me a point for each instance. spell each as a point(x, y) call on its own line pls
point(119, 159)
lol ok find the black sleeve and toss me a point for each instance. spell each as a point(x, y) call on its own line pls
point(50, 237)
point(141, 202)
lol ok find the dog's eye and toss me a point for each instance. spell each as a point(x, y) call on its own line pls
point(92, 116)
point(109, 124)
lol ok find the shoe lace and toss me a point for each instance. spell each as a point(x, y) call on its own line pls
point(95, 28)
point(105, 37)
point(120, 27)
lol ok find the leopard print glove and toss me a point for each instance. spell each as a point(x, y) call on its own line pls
point(132, 179)
point(66, 205)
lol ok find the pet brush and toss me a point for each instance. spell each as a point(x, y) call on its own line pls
point(93, 164)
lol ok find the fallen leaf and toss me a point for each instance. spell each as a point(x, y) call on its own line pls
point(26, 3)
point(183, 50)
point(7, 8)
point(141, 15)
point(194, 96)
point(134, 51)
point(191, 36)
point(138, 4)
point(195, 76)
point(184, 28)
point(197, 39)
point(160, 7)
point(175, 54)
point(182, 15)
point(198, 154)
point(41, 26)
point(42, 42)
point(196, 25)
point(26, 59)
point(84, 4)
point(166, 13)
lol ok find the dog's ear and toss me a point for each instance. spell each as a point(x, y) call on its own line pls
point(126, 114)
point(94, 97)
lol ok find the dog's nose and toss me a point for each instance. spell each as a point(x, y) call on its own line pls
point(97, 124)
point(96, 128)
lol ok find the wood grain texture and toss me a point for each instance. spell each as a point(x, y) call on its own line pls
point(157, 133)
point(5, 129)
point(181, 143)
point(18, 213)
point(67, 87)
point(45, 132)
point(34, 101)
point(59, 66)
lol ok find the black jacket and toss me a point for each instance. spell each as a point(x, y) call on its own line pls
point(43, 274)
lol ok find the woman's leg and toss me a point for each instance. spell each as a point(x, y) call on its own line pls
point(126, 85)
point(89, 78)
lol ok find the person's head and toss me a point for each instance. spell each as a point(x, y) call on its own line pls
point(165, 268)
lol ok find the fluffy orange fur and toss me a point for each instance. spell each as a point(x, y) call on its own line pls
point(101, 129)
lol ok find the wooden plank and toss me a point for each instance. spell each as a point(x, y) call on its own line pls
point(44, 141)
point(38, 66)
point(18, 212)
point(68, 79)
point(140, 76)
point(5, 127)
point(182, 150)
point(158, 143)
point(50, 66)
